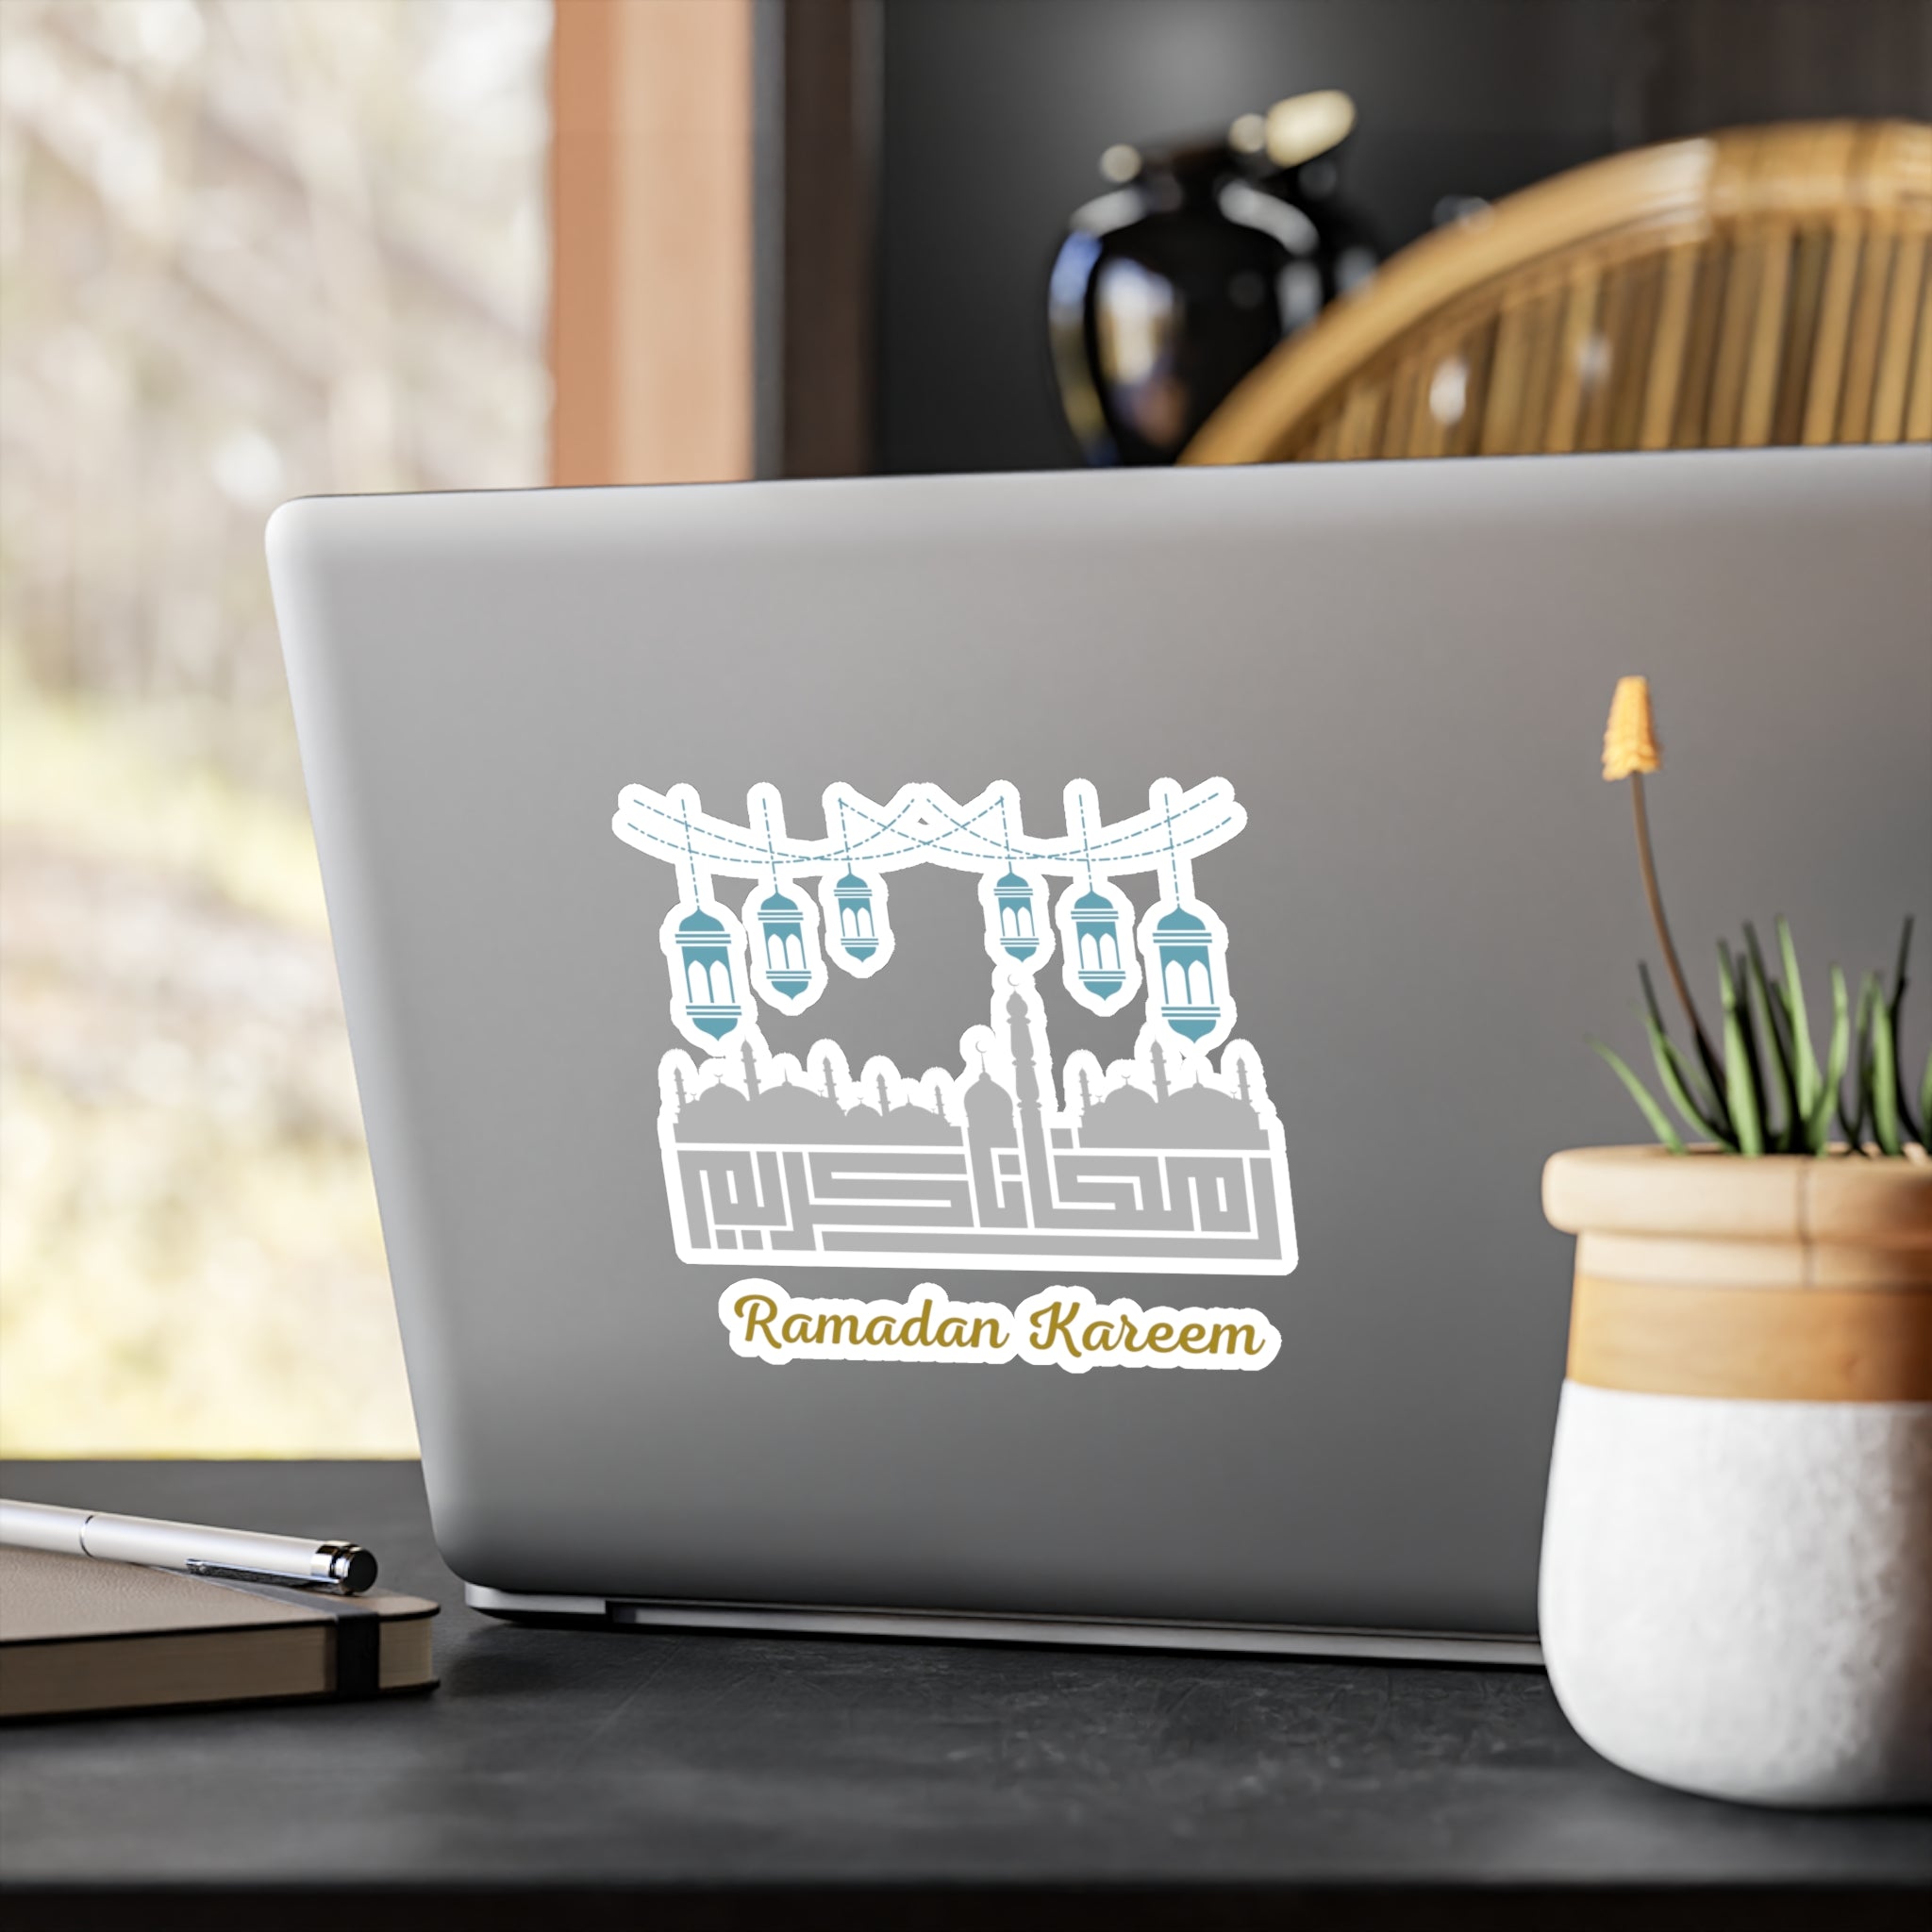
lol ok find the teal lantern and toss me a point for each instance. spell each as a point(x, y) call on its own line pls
point(1187, 973)
point(784, 935)
point(857, 932)
point(1097, 936)
point(702, 976)
point(1013, 898)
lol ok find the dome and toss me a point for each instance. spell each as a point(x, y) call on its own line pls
point(1012, 883)
point(1124, 1118)
point(1204, 1117)
point(791, 1115)
point(852, 883)
point(1180, 919)
point(778, 907)
point(700, 922)
point(912, 1126)
point(718, 1113)
point(990, 1106)
point(1093, 902)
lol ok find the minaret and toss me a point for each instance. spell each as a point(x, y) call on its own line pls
point(677, 1087)
point(990, 1129)
point(881, 1082)
point(751, 1068)
point(1242, 1092)
point(1020, 1038)
point(1086, 1106)
point(1036, 1163)
point(1160, 1071)
point(829, 1094)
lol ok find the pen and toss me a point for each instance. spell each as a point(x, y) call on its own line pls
point(244, 1555)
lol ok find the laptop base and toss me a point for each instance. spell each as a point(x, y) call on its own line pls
point(1252, 1639)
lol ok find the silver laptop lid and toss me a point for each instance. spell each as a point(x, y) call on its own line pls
point(988, 1044)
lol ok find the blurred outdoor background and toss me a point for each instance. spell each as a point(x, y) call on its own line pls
point(251, 249)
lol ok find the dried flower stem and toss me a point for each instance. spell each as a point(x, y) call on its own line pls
point(1648, 865)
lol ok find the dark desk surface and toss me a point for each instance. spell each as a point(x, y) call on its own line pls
point(573, 1777)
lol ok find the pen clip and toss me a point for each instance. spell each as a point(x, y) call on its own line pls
point(229, 1573)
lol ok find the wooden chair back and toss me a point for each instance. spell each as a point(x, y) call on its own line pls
point(1764, 286)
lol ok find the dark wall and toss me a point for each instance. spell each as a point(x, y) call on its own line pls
point(994, 112)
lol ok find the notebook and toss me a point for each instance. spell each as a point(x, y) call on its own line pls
point(78, 1636)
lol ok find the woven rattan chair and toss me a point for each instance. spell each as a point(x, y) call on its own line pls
point(1766, 286)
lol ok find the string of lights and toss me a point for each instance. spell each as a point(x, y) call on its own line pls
point(924, 825)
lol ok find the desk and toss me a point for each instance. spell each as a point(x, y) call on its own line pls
point(592, 1778)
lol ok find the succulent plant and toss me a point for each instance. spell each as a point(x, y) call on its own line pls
point(1765, 1091)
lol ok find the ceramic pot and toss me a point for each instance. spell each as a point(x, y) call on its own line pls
point(1736, 1565)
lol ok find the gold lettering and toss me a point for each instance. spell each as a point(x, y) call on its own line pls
point(1058, 1318)
point(757, 1311)
point(1074, 1329)
point(1251, 1346)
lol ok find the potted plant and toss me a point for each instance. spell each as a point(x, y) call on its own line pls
point(1736, 1570)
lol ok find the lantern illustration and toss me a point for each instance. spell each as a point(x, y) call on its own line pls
point(702, 976)
point(1187, 973)
point(1014, 898)
point(786, 971)
point(857, 932)
point(1097, 940)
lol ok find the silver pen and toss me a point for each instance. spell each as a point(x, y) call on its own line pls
point(242, 1556)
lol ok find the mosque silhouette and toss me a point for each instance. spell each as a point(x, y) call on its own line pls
point(1154, 1175)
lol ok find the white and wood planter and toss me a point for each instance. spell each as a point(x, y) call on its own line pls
point(1737, 1567)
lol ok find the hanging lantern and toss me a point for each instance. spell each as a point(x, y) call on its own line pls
point(858, 934)
point(1187, 1001)
point(702, 976)
point(786, 971)
point(1097, 941)
point(1014, 898)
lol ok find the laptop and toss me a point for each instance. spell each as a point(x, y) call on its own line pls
point(973, 1055)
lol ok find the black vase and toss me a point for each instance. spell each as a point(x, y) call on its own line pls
point(1167, 292)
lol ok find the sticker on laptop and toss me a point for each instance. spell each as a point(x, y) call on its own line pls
point(1168, 1159)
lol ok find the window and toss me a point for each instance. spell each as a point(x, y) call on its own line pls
point(250, 251)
